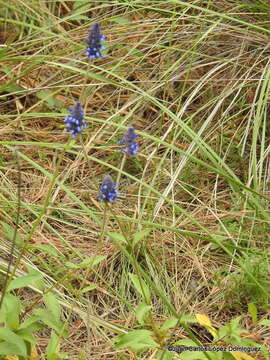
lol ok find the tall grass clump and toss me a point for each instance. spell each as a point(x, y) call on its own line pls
point(134, 172)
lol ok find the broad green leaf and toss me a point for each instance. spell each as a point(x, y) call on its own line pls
point(12, 343)
point(235, 323)
point(52, 305)
point(136, 340)
point(48, 319)
point(39, 283)
point(46, 249)
point(53, 347)
point(30, 321)
point(141, 312)
point(27, 333)
point(9, 233)
point(141, 287)
point(11, 310)
point(169, 324)
point(140, 235)
point(23, 281)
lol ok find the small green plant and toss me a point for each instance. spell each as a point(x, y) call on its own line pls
point(21, 321)
point(150, 336)
point(155, 339)
point(243, 290)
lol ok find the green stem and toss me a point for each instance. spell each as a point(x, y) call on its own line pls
point(15, 230)
point(121, 169)
point(104, 223)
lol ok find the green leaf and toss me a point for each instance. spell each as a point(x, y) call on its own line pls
point(169, 324)
point(53, 347)
point(48, 98)
point(141, 287)
point(92, 261)
point(27, 333)
point(23, 281)
point(13, 344)
point(48, 319)
point(52, 305)
point(185, 319)
point(88, 288)
point(6, 69)
point(11, 310)
point(9, 234)
point(31, 321)
point(140, 235)
point(136, 340)
point(117, 238)
point(47, 249)
point(39, 282)
point(11, 88)
point(142, 312)
point(28, 327)
point(231, 331)
point(252, 309)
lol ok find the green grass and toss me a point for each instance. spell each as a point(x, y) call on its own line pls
point(193, 79)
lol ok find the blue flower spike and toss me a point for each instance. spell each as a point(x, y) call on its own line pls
point(108, 192)
point(94, 41)
point(129, 140)
point(75, 121)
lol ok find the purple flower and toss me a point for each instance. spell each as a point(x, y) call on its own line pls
point(93, 41)
point(129, 140)
point(108, 192)
point(75, 120)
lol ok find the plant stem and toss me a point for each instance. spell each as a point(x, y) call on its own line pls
point(13, 243)
point(121, 169)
